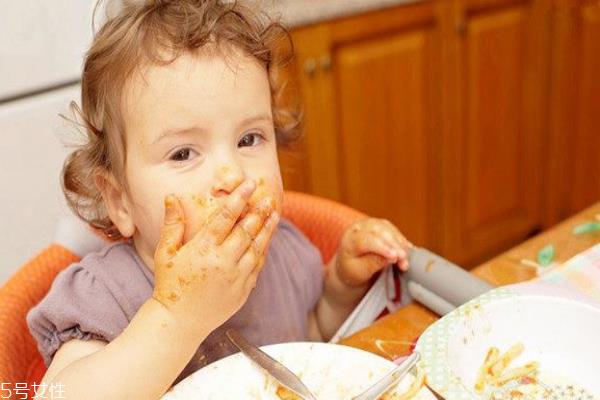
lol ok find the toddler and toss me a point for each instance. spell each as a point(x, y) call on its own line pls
point(182, 116)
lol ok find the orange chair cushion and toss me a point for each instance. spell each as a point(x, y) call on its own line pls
point(323, 221)
point(18, 349)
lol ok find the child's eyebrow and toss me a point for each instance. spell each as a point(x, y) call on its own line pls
point(255, 118)
point(178, 132)
point(197, 129)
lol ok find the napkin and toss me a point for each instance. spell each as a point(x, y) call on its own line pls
point(387, 294)
point(580, 275)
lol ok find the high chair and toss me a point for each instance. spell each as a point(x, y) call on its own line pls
point(322, 221)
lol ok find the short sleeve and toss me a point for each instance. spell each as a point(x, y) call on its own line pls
point(78, 306)
point(310, 276)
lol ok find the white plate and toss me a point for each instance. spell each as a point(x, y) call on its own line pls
point(560, 333)
point(330, 371)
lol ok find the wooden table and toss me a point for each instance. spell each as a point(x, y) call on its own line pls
point(394, 335)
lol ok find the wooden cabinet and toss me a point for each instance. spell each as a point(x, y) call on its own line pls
point(492, 169)
point(471, 124)
point(574, 109)
point(372, 95)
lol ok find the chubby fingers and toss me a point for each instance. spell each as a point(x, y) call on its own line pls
point(398, 236)
point(369, 243)
point(171, 233)
point(397, 242)
point(247, 229)
point(401, 242)
point(380, 237)
point(219, 225)
point(252, 261)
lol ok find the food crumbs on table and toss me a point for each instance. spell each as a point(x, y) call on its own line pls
point(529, 263)
point(546, 255)
point(586, 228)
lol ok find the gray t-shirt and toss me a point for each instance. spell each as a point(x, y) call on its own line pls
point(98, 297)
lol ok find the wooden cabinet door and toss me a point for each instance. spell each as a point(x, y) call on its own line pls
point(317, 148)
point(574, 169)
point(372, 102)
point(387, 112)
point(492, 142)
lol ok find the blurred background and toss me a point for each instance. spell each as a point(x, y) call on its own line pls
point(471, 124)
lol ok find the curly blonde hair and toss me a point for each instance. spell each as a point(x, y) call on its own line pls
point(139, 34)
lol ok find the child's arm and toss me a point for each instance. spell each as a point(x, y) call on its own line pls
point(214, 272)
point(365, 248)
point(141, 363)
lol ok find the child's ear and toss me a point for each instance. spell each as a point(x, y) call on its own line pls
point(116, 202)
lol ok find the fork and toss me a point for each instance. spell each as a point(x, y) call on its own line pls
point(390, 379)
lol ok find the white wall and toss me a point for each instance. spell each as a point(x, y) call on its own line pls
point(41, 48)
point(42, 43)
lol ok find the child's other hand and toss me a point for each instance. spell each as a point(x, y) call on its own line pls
point(367, 247)
point(204, 282)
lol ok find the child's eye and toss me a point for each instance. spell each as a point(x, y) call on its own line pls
point(249, 140)
point(183, 154)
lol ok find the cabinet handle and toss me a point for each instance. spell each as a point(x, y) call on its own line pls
point(310, 67)
point(325, 62)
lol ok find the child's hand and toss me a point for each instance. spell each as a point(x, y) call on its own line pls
point(204, 282)
point(367, 247)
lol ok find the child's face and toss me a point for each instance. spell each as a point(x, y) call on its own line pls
point(197, 128)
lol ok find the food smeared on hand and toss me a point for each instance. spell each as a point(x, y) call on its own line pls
point(202, 207)
point(208, 205)
point(262, 199)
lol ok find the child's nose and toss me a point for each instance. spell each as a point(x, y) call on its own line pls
point(227, 178)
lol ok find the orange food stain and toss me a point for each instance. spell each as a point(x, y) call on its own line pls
point(183, 281)
point(429, 266)
point(169, 203)
point(285, 394)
